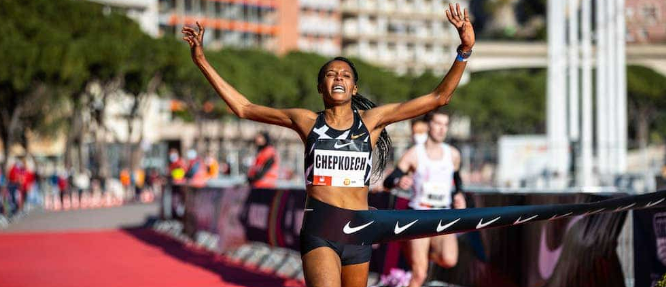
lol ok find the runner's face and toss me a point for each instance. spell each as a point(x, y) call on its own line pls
point(259, 140)
point(338, 85)
point(439, 125)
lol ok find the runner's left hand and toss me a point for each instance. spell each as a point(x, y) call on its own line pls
point(461, 21)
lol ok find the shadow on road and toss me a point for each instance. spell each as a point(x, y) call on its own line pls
point(228, 271)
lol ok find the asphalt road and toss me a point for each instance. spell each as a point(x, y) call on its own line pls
point(127, 216)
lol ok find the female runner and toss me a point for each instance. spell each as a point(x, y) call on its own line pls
point(338, 146)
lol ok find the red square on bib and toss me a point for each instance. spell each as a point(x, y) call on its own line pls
point(322, 180)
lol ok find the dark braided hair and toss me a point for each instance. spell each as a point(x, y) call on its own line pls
point(359, 102)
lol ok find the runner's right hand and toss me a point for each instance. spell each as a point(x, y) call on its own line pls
point(405, 182)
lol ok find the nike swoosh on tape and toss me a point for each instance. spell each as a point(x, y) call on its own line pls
point(625, 207)
point(349, 230)
point(441, 228)
point(482, 225)
point(556, 217)
point(356, 136)
point(518, 221)
point(342, 145)
point(655, 203)
point(399, 229)
point(593, 212)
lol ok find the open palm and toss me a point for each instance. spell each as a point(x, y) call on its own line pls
point(461, 21)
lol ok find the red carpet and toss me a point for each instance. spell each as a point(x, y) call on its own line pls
point(123, 258)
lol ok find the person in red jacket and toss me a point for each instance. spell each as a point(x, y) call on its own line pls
point(264, 172)
point(16, 179)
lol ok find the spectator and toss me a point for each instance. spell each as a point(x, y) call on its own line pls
point(176, 166)
point(139, 177)
point(264, 172)
point(82, 183)
point(197, 173)
point(16, 180)
point(63, 185)
point(212, 166)
point(3, 197)
point(126, 181)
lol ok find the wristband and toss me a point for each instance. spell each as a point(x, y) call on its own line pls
point(463, 56)
point(460, 58)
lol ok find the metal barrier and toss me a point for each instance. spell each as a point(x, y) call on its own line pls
point(537, 254)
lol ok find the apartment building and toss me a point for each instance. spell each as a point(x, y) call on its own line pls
point(319, 27)
point(274, 25)
point(407, 36)
point(646, 21)
point(144, 12)
point(235, 23)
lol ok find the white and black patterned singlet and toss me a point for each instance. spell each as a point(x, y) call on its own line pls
point(340, 158)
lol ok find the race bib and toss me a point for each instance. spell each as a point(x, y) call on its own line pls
point(340, 163)
point(436, 193)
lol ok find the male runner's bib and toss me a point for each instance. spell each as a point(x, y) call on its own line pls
point(433, 180)
point(338, 158)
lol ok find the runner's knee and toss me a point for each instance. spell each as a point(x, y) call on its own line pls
point(446, 260)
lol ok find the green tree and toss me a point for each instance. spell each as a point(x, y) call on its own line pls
point(31, 52)
point(646, 101)
point(503, 102)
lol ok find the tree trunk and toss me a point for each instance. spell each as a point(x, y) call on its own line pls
point(199, 144)
point(128, 143)
point(136, 112)
point(100, 134)
point(4, 136)
point(72, 136)
point(644, 116)
point(26, 146)
point(81, 164)
point(10, 123)
point(504, 15)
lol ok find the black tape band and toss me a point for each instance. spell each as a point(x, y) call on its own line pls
point(376, 226)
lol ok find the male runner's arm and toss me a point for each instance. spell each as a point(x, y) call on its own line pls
point(459, 201)
point(400, 176)
point(300, 120)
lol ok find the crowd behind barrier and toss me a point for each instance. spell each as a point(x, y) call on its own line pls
point(29, 182)
point(27, 185)
point(544, 253)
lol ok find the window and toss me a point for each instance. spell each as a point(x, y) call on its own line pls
point(165, 6)
point(649, 13)
point(202, 6)
point(642, 34)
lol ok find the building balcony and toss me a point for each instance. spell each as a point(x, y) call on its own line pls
point(397, 9)
point(222, 24)
point(329, 5)
point(352, 36)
